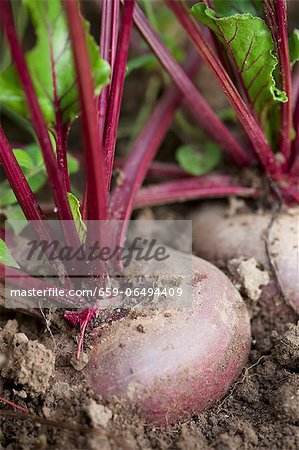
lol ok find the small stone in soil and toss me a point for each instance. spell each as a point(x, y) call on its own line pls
point(42, 442)
point(140, 328)
point(79, 364)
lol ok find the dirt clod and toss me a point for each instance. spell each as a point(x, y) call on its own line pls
point(286, 400)
point(99, 415)
point(11, 327)
point(287, 348)
point(79, 364)
point(248, 273)
point(30, 364)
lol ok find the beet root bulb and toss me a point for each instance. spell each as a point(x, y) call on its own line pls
point(171, 364)
point(219, 238)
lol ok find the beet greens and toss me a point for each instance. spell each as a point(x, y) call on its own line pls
point(66, 74)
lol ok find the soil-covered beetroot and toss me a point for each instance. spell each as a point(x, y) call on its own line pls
point(219, 237)
point(171, 363)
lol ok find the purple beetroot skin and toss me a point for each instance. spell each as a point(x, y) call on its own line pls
point(218, 238)
point(173, 364)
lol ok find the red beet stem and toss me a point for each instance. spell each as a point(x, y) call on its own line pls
point(158, 169)
point(55, 179)
point(143, 152)
point(97, 194)
point(61, 132)
point(189, 189)
point(14, 405)
point(23, 280)
point(286, 79)
point(194, 100)
point(295, 147)
point(18, 182)
point(116, 90)
point(108, 43)
point(246, 118)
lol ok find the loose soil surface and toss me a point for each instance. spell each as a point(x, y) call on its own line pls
point(40, 373)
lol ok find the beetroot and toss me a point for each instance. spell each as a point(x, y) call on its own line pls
point(170, 364)
point(219, 237)
point(167, 363)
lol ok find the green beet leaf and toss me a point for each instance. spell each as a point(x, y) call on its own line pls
point(147, 61)
point(15, 218)
point(198, 162)
point(6, 256)
point(250, 45)
point(24, 159)
point(75, 208)
point(32, 164)
point(72, 164)
point(52, 32)
point(230, 7)
point(294, 46)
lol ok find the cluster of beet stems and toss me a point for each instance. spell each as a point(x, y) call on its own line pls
point(100, 117)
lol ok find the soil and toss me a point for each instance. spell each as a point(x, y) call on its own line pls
point(41, 374)
point(39, 371)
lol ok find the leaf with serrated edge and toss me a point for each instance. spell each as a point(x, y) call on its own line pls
point(251, 47)
point(51, 29)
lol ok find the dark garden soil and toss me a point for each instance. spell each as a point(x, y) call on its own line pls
point(40, 373)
